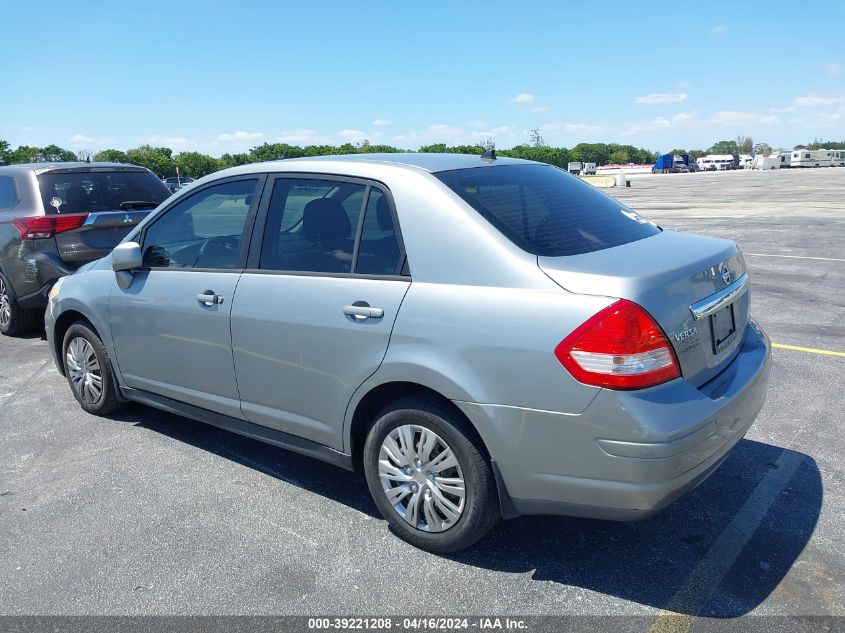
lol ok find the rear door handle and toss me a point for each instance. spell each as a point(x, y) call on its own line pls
point(209, 298)
point(361, 310)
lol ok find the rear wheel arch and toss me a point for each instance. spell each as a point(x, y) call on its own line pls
point(382, 396)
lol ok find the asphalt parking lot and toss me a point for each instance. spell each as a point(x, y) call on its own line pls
point(149, 513)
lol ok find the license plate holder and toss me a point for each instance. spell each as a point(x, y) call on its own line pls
point(722, 329)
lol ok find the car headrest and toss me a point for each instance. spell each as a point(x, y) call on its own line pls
point(325, 220)
point(385, 217)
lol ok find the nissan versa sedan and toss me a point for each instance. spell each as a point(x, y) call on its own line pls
point(482, 337)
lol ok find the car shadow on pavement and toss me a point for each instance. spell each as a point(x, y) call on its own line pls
point(326, 480)
point(647, 562)
point(650, 561)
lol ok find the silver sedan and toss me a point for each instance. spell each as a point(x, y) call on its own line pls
point(482, 337)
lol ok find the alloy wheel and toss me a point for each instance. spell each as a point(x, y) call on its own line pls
point(422, 478)
point(5, 305)
point(84, 371)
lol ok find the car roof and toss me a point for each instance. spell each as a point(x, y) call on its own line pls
point(429, 162)
point(40, 168)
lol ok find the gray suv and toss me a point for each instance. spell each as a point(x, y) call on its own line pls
point(482, 338)
point(54, 217)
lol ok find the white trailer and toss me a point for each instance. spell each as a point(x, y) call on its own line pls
point(574, 167)
point(837, 158)
point(811, 158)
point(766, 162)
point(589, 169)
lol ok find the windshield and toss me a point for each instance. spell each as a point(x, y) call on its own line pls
point(89, 191)
point(545, 211)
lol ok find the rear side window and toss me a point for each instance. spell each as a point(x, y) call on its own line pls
point(378, 252)
point(8, 193)
point(91, 191)
point(545, 211)
point(311, 225)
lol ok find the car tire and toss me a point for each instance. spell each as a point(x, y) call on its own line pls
point(410, 475)
point(89, 371)
point(15, 320)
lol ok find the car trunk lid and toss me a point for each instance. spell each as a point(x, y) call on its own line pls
point(671, 275)
point(97, 236)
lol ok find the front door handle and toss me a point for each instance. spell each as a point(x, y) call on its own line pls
point(361, 310)
point(209, 298)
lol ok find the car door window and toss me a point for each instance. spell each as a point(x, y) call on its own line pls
point(379, 252)
point(205, 230)
point(311, 225)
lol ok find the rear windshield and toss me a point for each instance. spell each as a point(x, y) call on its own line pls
point(89, 191)
point(545, 211)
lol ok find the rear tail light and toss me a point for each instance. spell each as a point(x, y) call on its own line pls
point(46, 226)
point(620, 347)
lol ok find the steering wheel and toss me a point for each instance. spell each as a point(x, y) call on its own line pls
point(220, 251)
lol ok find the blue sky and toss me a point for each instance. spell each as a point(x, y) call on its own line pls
point(224, 76)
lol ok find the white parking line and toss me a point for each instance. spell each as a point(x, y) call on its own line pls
point(705, 578)
point(824, 259)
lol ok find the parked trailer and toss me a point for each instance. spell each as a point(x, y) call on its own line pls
point(778, 160)
point(811, 158)
point(574, 167)
point(837, 158)
point(589, 169)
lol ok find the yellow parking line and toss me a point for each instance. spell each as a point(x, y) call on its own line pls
point(825, 259)
point(812, 350)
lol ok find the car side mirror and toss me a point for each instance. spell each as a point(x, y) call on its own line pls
point(124, 259)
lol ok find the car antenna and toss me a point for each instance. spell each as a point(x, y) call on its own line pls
point(489, 154)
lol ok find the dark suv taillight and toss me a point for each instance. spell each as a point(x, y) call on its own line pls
point(621, 347)
point(46, 226)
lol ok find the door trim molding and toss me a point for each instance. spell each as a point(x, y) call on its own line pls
point(241, 427)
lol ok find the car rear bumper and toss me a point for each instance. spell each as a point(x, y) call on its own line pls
point(40, 272)
point(629, 453)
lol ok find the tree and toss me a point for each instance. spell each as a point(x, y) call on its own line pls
point(195, 165)
point(24, 154)
point(111, 156)
point(763, 149)
point(55, 154)
point(158, 160)
point(5, 152)
point(489, 145)
point(744, 144)
point(84, 155)
point(724, 147)
point(536, 138)
point(619, 157)
point(697, 153)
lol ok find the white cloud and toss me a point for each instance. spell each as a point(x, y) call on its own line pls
point(477, 124)
point(166, 141)
point(239, 137)
point(571, 127)
point(812, 101)
point(523, 98)
point(681, 85)
point(296, 137)
point(659, 123)
point(26, 128)
point(735, 117)
point(834, 69)
point(381, 122)
point(661, 97)
point(540, 109)
point(352, 135)
point(82, 141)
point(719, 29)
